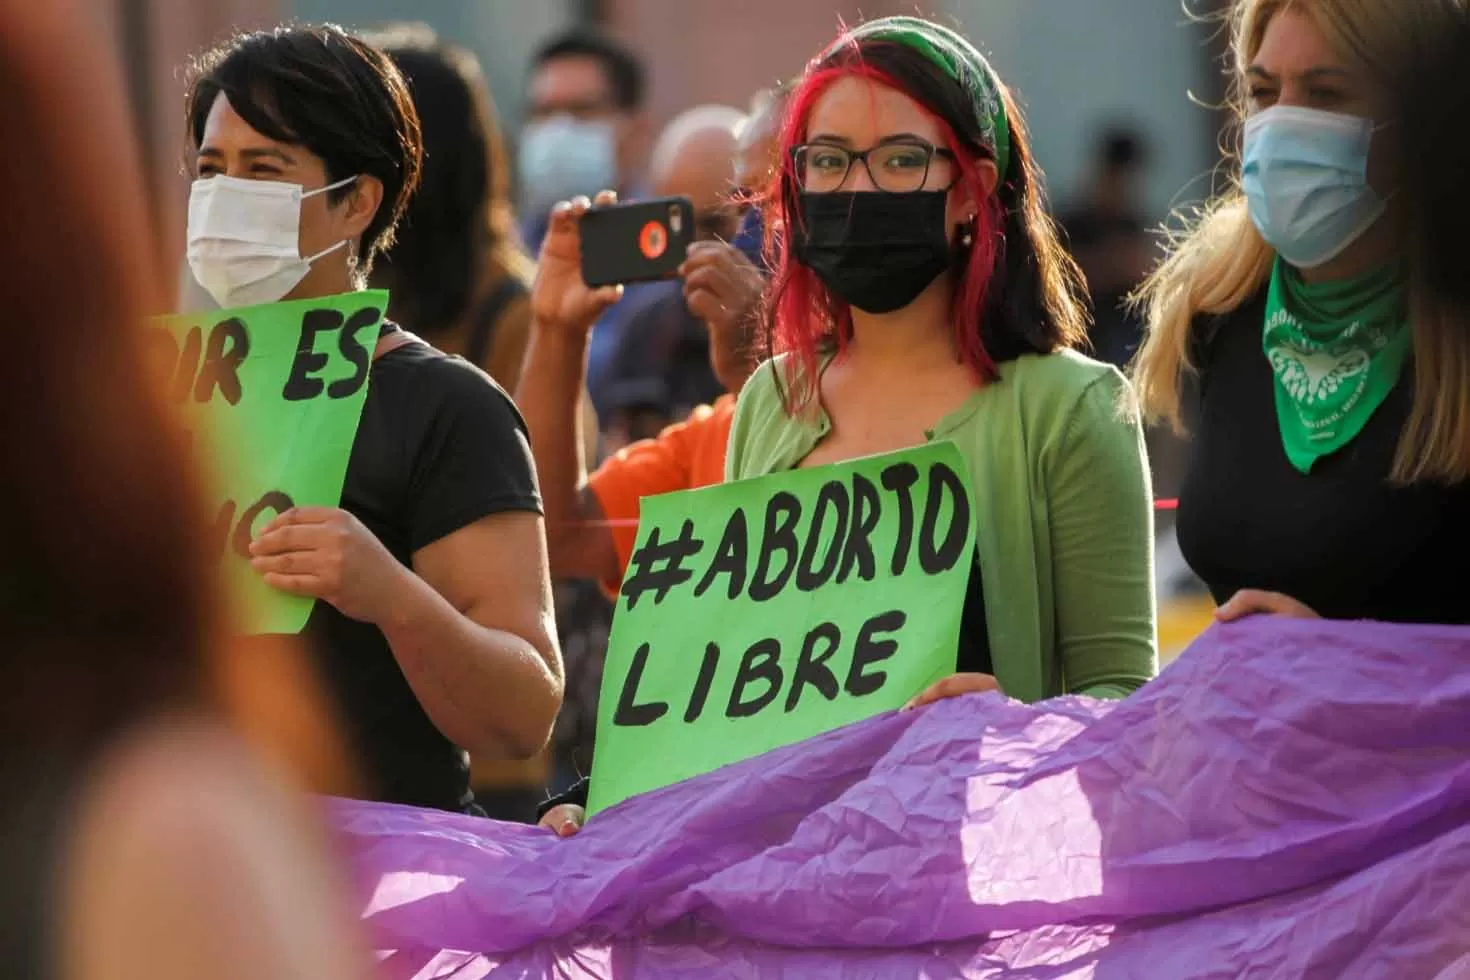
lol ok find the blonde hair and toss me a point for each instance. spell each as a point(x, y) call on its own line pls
point(1220, 261)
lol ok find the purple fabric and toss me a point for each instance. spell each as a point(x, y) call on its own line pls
point(1289, 799)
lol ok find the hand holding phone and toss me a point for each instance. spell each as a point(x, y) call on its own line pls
point(642, 241)
point(560, 300)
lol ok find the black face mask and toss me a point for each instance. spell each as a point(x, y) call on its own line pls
point(875, 250)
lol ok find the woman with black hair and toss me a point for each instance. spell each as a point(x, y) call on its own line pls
point(434, 630)
point(457, 270)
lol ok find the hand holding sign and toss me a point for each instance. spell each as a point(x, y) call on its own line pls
point(564, 820)
point(954, 686)
point(327, 554)
point(760, 613)
point(273, 395)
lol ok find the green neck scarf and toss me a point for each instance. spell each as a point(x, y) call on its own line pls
point(1337, 349)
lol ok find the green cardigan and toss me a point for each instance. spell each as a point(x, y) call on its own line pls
point(1064, 528)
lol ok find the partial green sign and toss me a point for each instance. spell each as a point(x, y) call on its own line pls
point(760, 613)
point(273, 395)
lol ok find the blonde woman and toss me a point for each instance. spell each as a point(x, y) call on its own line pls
point(1331, 443)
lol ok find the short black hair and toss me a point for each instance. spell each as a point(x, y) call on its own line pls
point(321, 88)
point(626, 76)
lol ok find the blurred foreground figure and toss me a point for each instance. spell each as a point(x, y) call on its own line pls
point(139, 837)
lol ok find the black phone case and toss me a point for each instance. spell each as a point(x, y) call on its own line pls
point(641, 241)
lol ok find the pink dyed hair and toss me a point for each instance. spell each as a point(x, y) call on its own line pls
point(804, 318)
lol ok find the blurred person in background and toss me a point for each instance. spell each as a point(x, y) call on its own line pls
point(1107, 234)
point(753, 167)
point(1330, 459)
point(433, 628)
point(587, 129)
point(458, 272)
point(586, 124)
point(141, 838)
point(593, 521)
point(656, 369)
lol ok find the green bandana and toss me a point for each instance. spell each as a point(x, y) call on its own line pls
point(960, 60)
point(1336, 349)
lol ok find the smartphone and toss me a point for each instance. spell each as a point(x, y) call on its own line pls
point(641, 241)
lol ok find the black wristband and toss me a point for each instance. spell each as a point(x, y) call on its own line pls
point(576, 795)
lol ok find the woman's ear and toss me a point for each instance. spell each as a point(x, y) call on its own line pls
point(361, 204)
point(965, 199)
point(989, 175)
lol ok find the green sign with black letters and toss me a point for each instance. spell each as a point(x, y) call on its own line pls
point(760, 613)
point(273, 395)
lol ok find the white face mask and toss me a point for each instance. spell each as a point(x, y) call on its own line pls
point(244, 235)
point(563, 157)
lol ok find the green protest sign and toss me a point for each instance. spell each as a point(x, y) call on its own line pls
point(760, 613)
point(273, 395)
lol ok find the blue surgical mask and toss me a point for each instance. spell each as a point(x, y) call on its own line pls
point(1305, 175)
point(750, 239)
point(562, 157)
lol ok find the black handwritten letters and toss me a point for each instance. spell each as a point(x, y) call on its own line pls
point(239, 533)
point(204, 363)
point(208, 367)
point(835, 546)
point(901, 521)
point(305, 382)
point(760, 678)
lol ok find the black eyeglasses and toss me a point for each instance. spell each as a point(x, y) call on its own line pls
point(897, 167)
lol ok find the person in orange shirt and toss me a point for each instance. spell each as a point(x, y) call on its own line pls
point(592, 521)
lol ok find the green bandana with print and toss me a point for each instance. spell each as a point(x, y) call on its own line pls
point(960, 60)
point(1337, 349)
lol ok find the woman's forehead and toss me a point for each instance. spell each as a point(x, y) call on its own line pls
point(1293, 42)
point(224, 128)
point(864, 111)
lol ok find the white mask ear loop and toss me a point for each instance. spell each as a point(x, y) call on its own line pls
point(329, 187)
point(325, 252)
point(311, 259)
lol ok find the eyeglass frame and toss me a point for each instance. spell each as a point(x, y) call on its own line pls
point(856, 156)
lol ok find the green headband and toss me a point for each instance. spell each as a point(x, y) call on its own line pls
point(960, 60)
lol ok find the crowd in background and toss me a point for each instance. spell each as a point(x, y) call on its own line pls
point(516, 416)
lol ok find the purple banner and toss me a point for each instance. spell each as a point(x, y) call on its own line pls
point(1289, 799)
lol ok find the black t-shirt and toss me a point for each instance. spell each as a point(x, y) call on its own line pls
point(440, 446)
point(1342, 539)
point(974, 647)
